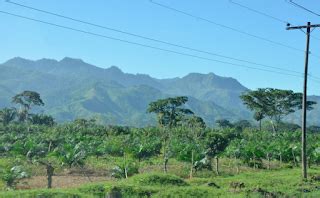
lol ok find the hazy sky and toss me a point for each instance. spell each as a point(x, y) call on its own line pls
point(32, 40)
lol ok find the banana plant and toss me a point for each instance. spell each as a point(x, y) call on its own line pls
point(12, 176)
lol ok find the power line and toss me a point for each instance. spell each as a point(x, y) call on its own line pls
point(144, 45)
point(302, 7)
point(225, 26)
point(149, 38)
point(259, 12)
point(265, 14)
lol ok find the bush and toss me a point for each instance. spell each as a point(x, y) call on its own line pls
point(124, 170)
point(158, 179)
point(96, 190)
point(130, 191)
point(183, 192)
point(42, 194)
point(12, 176)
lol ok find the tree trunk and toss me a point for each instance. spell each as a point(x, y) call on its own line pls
point(268, 157)
point(280, 160)
point(260, 124)
point(165, 158)
point(191, 168)
point(125, 165)
point(294, 158)
point(273, 127)
point(49, 147)
point(237, 165)
point(50, 171)
point(126, 172)
point(217, 165)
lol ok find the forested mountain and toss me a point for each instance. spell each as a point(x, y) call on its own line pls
point(73, 89)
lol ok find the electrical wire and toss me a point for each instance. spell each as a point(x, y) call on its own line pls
point(149, 38)
point(258, 12)
point(225, 26)
point(302, 7)
point(144, 45)
point(265, 15)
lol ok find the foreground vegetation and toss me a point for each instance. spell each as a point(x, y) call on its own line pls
point(262, 183)
point(181, 157)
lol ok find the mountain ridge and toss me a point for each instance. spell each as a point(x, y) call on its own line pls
point(72, 88)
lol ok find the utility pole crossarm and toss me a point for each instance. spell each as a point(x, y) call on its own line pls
point(302, 27)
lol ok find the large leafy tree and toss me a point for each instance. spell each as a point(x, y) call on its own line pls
point(170, 112)
point(274, 103)
point(26, 100)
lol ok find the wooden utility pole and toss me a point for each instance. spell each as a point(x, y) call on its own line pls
point(304, 97)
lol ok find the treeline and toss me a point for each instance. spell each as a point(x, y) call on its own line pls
point(180, 134)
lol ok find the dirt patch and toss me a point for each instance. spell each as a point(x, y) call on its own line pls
point(65, 181)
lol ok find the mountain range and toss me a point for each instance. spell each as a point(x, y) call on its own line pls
point(72, 88)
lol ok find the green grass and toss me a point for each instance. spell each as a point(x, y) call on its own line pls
point(282, 183)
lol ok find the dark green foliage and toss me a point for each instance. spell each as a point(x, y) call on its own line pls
point(215, 143)
point(169, 110)
point(186, 193)
point(242, 124)
point(145, 143)
point(43, 194)
point(12, 175)
point(158, 179)
point(314, 129)
point(125, 170)
point(40, 119)
point(72, 155)
point(223, 123)
point(274, 103)
point(7, 115)
point(26, 100)
point(98, 190)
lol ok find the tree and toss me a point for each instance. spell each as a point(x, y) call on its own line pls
point(169, 113)
point(274, 103)
point(197, 126)
point(216, 144)
point(26, 100)
point(224, 123)
point(7, 115)
point(41, 119)
point(242, 124)
point(185, 147)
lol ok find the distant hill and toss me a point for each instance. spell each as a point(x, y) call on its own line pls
point(73, 89)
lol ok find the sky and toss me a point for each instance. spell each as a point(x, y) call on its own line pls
point(32, 40)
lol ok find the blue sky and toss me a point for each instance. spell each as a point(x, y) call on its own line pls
point(35, 41)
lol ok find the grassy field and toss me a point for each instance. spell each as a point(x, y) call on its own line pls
point(259, 183)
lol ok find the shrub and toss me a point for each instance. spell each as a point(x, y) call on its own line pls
point(190, 192)
point(159, 179)
point(125, 170)
point(12, 176)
